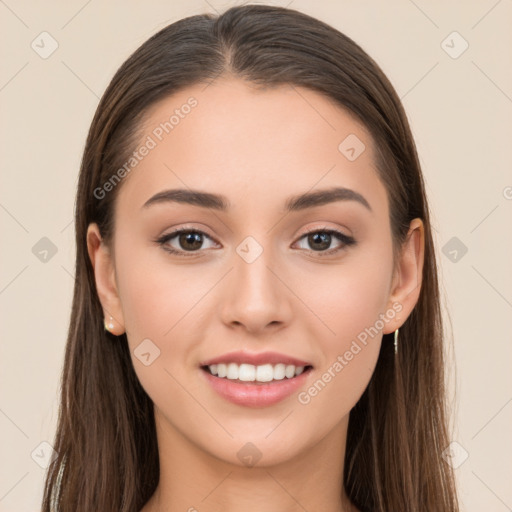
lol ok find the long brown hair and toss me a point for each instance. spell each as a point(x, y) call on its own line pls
point(107, 454)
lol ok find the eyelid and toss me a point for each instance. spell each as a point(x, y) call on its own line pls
point(323, 227)
point(185, 227)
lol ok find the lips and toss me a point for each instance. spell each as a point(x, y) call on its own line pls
point(256, 394)
point(256, 359)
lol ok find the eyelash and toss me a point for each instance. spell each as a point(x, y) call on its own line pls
point(345, 239)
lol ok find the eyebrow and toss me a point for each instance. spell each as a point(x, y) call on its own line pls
point(292, 204)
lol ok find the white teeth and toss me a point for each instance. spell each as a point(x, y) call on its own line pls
point(264, 373)
point(251, 373)
point(289, 371)
point(247, 372)
point(280, 371)
point(232, 371)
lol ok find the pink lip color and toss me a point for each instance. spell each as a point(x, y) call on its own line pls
point(251, 394)
point(241, 356)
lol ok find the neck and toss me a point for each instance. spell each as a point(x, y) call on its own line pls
point(192, 479)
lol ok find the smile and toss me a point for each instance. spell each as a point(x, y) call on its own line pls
point(252, 373)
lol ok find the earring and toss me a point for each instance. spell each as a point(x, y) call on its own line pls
point(396, 341)
point(108, 326)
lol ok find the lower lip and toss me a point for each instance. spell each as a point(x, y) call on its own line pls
point(251, 394)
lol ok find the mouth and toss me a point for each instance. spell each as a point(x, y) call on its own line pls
point(253, 375)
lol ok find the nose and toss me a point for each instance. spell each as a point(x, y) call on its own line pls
point(256, 296)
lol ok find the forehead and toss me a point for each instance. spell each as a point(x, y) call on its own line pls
point(235, 139)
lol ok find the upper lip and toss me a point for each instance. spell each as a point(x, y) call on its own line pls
point(241, 357)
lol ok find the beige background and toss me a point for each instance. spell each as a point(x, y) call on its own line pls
point(460, 111)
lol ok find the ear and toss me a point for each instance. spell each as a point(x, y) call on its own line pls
point(104, 274)
point(406, 285)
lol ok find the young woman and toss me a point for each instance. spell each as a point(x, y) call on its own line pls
point(256, 321)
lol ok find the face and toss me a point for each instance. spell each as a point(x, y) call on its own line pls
point(314, 282)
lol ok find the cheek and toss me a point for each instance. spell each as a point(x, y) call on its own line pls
point(348, 298)
point(158, 301)
point(162, 302)
point(155, 294)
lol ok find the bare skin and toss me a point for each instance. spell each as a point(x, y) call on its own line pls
point(257, 148)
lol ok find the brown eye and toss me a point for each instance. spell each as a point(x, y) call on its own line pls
point(319, 241)
point(190, 240)
point(187, 240)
